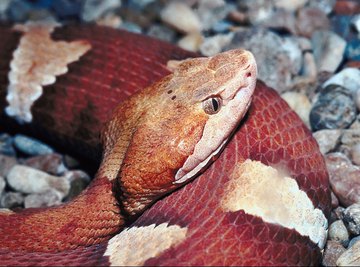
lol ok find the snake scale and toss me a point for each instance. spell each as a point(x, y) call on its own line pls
point(197, 224)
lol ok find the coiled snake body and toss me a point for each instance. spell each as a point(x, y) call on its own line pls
point(158, 140)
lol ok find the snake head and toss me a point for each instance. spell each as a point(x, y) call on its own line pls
point(175, 128)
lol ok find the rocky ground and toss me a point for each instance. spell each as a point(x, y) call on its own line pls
point(309, 50)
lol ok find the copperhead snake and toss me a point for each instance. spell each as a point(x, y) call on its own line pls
point(154, 142)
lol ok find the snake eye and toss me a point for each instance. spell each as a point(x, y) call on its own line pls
point(212, 105)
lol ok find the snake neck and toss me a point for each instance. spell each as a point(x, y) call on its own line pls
point(89, 219)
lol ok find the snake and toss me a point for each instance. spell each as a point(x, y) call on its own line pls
point(199, 162)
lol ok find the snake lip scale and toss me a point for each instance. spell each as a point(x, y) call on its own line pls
point(263, 201)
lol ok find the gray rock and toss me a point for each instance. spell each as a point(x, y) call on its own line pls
point(191, 42)
point(70, 162)
point(348, 78)
point(213, 13)
point(131, 27)
point(162, 32)
point(338, 232)
point(332, 252)
point(215, 44)
point(66, 8)
point(325, 5)
point(282, 19)
point(46, 199)
point(311, 19)
point(353, 241)
point(31, 146)
point(350, 137)
point(257, 10)
point(334, 201)
point(344, 178)
point(6, 163)
point(11, 200)
point(351, 257)
point(355, 153)
point(50, 163)
point(356, 22)
point(28, 180)
point(6, 145)
point(335, 108)
point(351, 218)
point(278, 57)
point(18, 10)
point(2, 185)
point(79, 180)
point(328, 50)
point(327, 139)
point(94, 9)
point(352, 51)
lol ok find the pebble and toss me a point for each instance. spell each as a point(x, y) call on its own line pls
point(347, 7)
point(6, 163)
point(212, 13)
point(344, 178)
point(334, 109)
point(311, 19)
point(290, 5)
point(79, 180)
point(355, 154)
point(351, 218)
point(282, 20)
point(162, 32)
point(350, 137)
point(11, 200)
point(28, 180)
point(31, 146)
point(94, 9)
point(352, 51)
point(338, 232)
point(18, 10)
point(356, 22)
point(131, 27)
point(325, 5)
point(350, 257)
point(334, 201)
point(278, 65)
point(181, 17)
point(50, 163)
point(348, 78)
point(45, 199)
point(66, 9)
point(353, 241)
point(328, 50)
point(215, 44)
point(71, 162)
point(2, 185)
point(332, 252)
point(327, 139)
point(110, 20)
point(6, 145)
point(256, 11)
point(191, 42)
point(300, 104)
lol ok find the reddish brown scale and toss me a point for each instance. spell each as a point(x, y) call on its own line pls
point(72, 110)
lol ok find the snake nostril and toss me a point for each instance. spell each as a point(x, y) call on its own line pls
point(248, 74)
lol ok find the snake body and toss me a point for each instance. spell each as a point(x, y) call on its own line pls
point(118, 65)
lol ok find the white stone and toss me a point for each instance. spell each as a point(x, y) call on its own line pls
point(351, 257)
point(181, 17)
point(28, 180)
point(338, 232)
point(273, 196)
point(356, 22)
point(355, 154)
point(348, 78)
point(94, 9)
point(133, 246)
point(290, 5)
point(300, 104)
point(328, 50)
point(191, 42)
point(327, 139)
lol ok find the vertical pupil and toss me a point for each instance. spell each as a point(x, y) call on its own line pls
point(215, 104)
